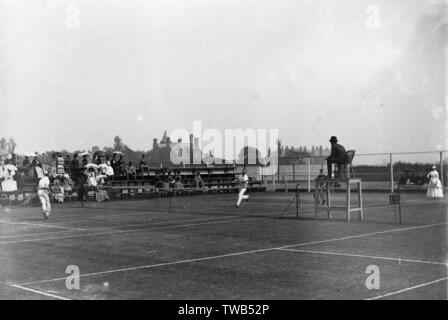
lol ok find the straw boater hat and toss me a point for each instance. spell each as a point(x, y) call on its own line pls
point(434, 167)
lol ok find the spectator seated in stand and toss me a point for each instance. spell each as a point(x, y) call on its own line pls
point(91, 179)
point(113, 163)
point(36, 162)
point(198, 182)
point(26, 162)
point(67, 164)
point(101, 180)
point(74, 165)
point(119, 166)
point(170, 179)
point(142, 166)
point(7, 173)
point(109, 171)
point(2, 171)
point(26, 167)
point(67, 183)
point(165, 184)
point(85, 161)
point(98, 160)
point(58, 191)
point(101, 177)
point(10, 159)
point(178, 183)
point(158, 180)
point(131, 172)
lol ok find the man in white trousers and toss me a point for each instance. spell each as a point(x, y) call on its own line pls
point(43, 192)
point(244, 181)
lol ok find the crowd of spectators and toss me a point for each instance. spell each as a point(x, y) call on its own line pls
point(85, 170)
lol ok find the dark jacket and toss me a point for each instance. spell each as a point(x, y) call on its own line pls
point(338, 153)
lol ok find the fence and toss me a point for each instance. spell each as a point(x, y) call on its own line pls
point(377, 170)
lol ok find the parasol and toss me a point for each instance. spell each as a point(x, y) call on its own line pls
point(10, 167)
point(84, 154)
point(30, 154)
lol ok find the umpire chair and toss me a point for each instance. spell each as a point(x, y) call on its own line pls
point(345, 168)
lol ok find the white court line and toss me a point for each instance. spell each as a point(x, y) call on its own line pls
point(234, 219)
point(407, 289)
point(166, 222)
point(365, 256)
point(111, 227)
point(232, 254)
point(88, 217)
point(40, 225)
point(39, 292)
point(370, 234)
point(35, 234)
point(153, 265)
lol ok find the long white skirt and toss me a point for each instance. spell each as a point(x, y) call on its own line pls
point(435, 189)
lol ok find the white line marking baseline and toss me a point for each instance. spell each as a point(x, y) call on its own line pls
point(39, 225)
point(407, 289)
point(35, 234)
point(39, 292)
point(363, 256)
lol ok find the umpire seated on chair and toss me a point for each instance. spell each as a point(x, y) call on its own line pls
point(338, 155)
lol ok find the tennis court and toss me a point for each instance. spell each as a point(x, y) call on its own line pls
point(202, 247)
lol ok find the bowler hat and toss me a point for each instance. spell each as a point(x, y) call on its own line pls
point(333, 139)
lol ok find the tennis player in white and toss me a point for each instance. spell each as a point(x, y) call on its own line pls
point(244, 181)
point(43, 194)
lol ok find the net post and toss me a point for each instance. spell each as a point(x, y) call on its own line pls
point(297, 200)
point(391, 173)
point(399, 204)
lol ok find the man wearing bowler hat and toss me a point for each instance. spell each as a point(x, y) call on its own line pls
point(338, 155)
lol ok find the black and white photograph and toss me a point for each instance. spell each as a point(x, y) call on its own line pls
point(223, 155)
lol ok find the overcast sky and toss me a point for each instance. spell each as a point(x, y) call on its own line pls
point(371, 72)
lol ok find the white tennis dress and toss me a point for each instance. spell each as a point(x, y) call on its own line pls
point(435, 189)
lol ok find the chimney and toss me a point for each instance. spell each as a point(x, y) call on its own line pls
point(191, 148)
